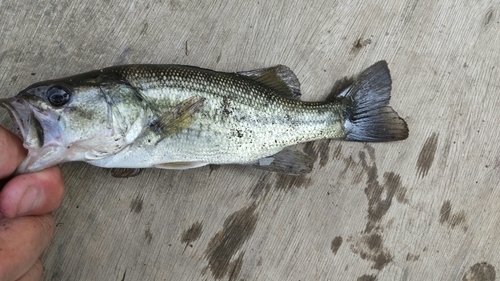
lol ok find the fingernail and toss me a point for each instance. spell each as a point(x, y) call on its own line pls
point(30, 201)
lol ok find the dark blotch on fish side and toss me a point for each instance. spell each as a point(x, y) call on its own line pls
point(239, 133)
point(480, 272)
point(237, 229)
point(136, 204)
point(226, 106)
point(336, 243)
point(426, 156)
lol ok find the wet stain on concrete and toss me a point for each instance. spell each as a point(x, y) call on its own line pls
point(426, 156)
point(148, 235)
point(337, 153)
point(489, 17)
point(369, 245)
point(412, 257)
point(287, 182)
point(336, 243)
point(144, 29)
point(380, 196)
point(192, 233)
point(367, 277)
point(371, 151)
point(318, 149)
point(122, 59)
point(136, 205)
point(235, 267)
point(360, 44)
point(446, 216)
point(480, 272)
point(349, 163)
point(213, 168)
point(237, 229)
point(444, 213)
point(263, 185)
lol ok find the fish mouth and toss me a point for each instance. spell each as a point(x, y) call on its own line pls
point(28, 126)
point(34, 127)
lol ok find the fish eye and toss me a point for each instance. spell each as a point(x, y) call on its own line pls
point(58, 96)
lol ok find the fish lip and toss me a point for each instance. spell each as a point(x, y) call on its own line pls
point(30, 128)
point(26, 121)
point(15, 115)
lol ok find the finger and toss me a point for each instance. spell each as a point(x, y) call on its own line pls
point(32, 194)
point(34, 273)
point(22, 240)
point(12, 151)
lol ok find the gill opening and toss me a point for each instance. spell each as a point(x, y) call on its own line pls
point(39, 131)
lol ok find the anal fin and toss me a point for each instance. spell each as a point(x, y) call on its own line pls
point(287, 161)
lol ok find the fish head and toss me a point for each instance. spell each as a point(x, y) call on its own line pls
point(75, 120)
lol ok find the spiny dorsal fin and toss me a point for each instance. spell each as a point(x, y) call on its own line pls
point(279, 78)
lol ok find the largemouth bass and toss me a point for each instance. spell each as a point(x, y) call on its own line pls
point(180, 117)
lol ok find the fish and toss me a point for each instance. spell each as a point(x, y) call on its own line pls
point(137, 116)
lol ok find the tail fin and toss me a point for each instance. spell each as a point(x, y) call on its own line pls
point(368, 116)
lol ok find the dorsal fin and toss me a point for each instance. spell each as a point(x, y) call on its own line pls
point(279, 78)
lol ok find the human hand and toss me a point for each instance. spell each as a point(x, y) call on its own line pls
point(26, 225)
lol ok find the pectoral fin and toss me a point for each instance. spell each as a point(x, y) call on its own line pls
point(178, 118)
point(287, 161)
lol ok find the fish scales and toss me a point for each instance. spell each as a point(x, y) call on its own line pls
point(241, 120)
